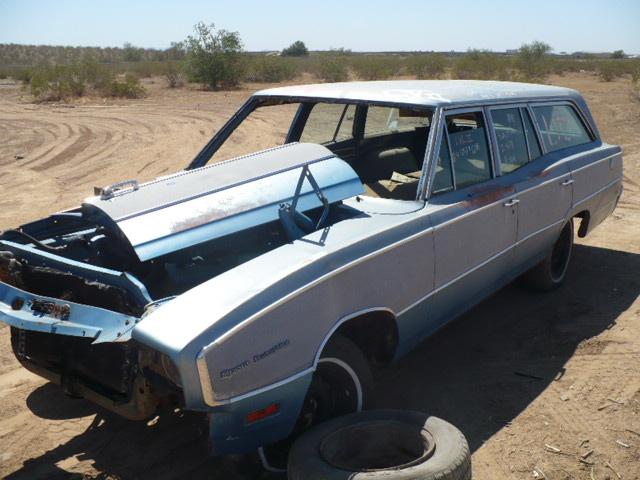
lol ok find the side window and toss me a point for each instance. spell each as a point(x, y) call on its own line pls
point(560, 127)
point(532, 139)
point(469, 148)
point(329, 123)
point(443, 179)
point(386, 120)
point(510, 138)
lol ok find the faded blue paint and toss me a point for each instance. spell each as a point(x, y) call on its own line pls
point(84, 321)
point(403, 257)
point(230, 433)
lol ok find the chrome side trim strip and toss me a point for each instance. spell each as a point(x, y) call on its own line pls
point(480, 265)
point(606, 187)
point(596, 162)
point(203, 370)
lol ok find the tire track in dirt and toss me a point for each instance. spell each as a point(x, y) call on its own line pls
point(82, 140)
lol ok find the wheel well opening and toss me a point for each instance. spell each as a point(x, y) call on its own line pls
point(375, 333)
point(584, 217)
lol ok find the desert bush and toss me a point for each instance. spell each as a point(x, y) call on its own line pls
point(332, 68)
point(296, 49)
point(481, 65)
point(129, 87)
point(270, 69)
point(533, 61)
point(63, 82)
point(214, 57)
point(58, 82)
point(22, 75)
point(173, 74)
point(610, 70)
point(618, 54)
point(375, 67)
point(430, 65)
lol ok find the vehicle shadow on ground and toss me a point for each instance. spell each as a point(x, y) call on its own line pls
point(485, 368)
point(478, 373)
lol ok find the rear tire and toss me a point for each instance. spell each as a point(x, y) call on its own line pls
point(551, 272)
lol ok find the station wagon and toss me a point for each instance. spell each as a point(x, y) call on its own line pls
point(261, 287)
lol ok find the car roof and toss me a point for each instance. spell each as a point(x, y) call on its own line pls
point(432, 93)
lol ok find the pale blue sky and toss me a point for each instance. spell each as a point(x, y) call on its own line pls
point(369, 25)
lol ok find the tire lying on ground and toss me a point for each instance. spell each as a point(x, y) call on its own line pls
point(381, 444)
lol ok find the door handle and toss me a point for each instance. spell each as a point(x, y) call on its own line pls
point(512, 202)
point(567, 182)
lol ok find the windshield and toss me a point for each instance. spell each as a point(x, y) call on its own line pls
point(384, 144)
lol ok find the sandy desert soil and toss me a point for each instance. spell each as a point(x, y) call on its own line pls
point(534, 381)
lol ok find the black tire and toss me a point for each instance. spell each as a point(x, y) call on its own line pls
point(381, 444)
point(551, 272)
point(341, 384)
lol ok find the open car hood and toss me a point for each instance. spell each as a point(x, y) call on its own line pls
point(194, 206)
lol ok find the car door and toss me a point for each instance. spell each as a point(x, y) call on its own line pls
point(473, 214)
point(543, 182)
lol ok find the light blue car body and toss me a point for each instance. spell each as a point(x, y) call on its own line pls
point(253, 335)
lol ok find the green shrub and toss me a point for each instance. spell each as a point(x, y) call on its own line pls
point(129, 87)
point(58, 82)
point(375, 67)
point(430, 65)
point(609, 70)
point(481, 65)
point(270, 69)
point(173, 74)
point(296, 49)
point(533, 60)
point(24, 75)
point(214, 58)
point(332, 68)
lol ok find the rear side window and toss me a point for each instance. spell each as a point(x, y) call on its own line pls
point(469, 148)
point(560, 127)
point(329, 123)
point(387, 120)
point(510, 137)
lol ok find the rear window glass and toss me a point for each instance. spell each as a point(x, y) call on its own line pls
point(386, 120)
point(329, 123)
point(510, 138)
point(560, 127)
point(469, 148)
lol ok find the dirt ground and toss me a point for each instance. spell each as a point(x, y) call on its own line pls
point(534, 381)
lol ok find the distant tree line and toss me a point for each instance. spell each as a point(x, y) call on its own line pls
point(215, 58)
point(30, 55)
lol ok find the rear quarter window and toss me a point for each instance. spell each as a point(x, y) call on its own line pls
point(560, 127)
